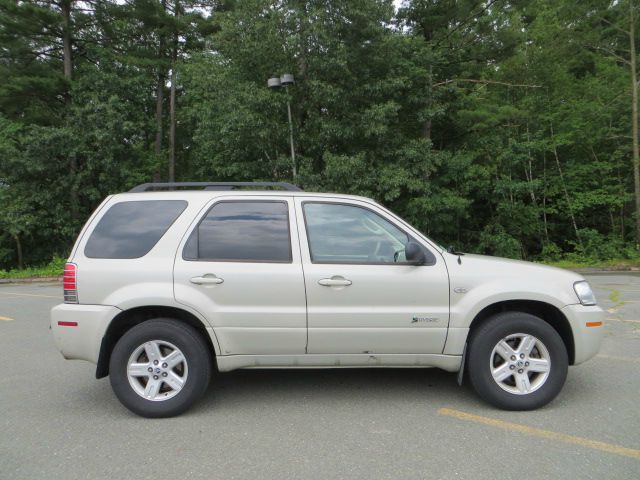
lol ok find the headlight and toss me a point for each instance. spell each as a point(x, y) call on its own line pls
point(584, 293)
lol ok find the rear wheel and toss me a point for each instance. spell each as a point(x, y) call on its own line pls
point(517, 361)
point(160, 368)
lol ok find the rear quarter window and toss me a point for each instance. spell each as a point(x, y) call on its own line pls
point(131, 229)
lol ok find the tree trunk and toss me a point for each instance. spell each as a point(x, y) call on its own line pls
point(172, 124)
point(634, 119)
point(528, 171)
point(65, 6)
point(544, 196)
point(564, 188)
point(19, 251)
point(67, 62)
point(172, 104)
point(426, 128)
point(159, 108)
point(160, 98)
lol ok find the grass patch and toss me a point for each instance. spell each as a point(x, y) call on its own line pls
point(53, 269)
point(613, 264)
point(614, 296)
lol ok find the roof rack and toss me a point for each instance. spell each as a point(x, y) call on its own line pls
point(150, 187)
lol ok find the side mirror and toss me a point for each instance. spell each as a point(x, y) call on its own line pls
point(414, 254)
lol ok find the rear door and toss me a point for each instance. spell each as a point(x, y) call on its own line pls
point(239, 267)
point(362, 297)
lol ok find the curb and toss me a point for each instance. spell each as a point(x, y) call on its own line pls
point(605, 271)
point(30, 280)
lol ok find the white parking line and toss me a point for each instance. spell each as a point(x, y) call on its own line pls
point(29, 295)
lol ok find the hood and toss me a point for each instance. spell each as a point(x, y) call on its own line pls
point(502, 278)
point(485, 265)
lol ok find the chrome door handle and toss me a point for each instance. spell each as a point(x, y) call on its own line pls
point(208, 279)
point(334, 282)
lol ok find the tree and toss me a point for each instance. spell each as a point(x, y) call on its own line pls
point(506, 128)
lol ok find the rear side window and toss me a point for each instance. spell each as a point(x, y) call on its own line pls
point(238, 231)
point(131, 229)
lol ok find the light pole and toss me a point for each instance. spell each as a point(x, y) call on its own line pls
point(284, 81)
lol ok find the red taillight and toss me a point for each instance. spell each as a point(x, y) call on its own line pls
point(69, 283)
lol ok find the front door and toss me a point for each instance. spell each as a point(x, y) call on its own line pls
point(240, 269)
point(362, 296)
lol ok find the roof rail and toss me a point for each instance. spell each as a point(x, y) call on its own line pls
point(150, 187)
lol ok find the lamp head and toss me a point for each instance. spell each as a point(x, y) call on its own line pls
point(274, 82)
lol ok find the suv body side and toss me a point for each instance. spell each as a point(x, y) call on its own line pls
point(281, 314)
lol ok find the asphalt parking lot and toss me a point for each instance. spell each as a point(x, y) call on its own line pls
point(59, 422)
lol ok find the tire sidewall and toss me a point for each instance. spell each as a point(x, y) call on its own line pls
point(187, 340)
point(486, 338)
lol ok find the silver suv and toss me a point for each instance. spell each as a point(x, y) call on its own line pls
point(170, 282)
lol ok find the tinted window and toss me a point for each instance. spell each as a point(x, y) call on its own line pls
point(131, 229)
point(242, 231)
point(349, 234)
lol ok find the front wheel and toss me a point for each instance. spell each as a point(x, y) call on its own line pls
point(159, 368)
point(517, 361)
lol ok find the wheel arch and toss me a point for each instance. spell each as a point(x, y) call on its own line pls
point(127, 319)
point(545, 311)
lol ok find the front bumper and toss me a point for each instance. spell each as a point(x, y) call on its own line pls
point(78, 329)
point(587, 339)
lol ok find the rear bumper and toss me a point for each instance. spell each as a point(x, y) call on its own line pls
point(78, 329)
point(587, 339)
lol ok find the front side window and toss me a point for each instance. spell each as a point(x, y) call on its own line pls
point(251, 231)
point(131, 229)
point(340, 233)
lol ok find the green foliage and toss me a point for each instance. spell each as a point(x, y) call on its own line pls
point(551, 252)
point(595, 246)
point(494, 240)
point(53, 269)
point(501, 130)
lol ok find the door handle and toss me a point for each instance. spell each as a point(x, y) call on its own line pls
point(208, 279)
point(334, 282)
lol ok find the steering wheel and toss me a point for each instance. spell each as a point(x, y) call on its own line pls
point(396, 254)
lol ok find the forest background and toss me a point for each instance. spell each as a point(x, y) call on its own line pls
point(500, 127)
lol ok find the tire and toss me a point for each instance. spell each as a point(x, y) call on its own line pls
point(173, 385)
point(545, 362)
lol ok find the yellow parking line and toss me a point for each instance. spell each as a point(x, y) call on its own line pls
point(7, 319)
point(537, 432)
point(619, 289)
point(28, 295)
point(622, 359)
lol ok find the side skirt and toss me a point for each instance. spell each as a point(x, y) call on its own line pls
point(450, 363)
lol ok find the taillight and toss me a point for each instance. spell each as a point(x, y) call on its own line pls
point(69, 283)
